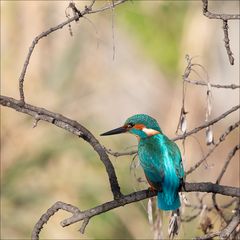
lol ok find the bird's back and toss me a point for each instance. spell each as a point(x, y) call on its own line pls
point(161, 161)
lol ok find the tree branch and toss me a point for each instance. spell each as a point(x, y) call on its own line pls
point(193, 131)
point(71, 126)
point(221, 139)
point(77, 129)
point(50, 212)
point(77, 14)
point(124, 200)
point(228, 160)
point(227, 42)
point(224, 18)
point(211, 15)
point(207, 124)
point(201, 83)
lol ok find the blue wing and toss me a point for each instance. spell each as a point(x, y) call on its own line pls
point(161, 161)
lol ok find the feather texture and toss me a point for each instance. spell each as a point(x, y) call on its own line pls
point(161, 161)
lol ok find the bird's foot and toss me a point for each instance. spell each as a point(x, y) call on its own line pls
point(152, 189)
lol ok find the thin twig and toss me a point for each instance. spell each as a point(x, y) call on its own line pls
point(201, 83)
point(224, 18)
point(89, 8)
point(120, 154)
point(206, 124)
point(221, 139)
point(211, 15)
point(84, 225)
point(34, 43)
point(228, 160)
point(190, 218)
point(208, 208)
point(76, 17)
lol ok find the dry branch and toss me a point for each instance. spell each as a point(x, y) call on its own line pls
point(77, 129)
point(71, 126)
point(224, 18)
point(201, 83)
point(119, 200)
point(189, 133)
point(221, 139)
point(124, 200)
point(211, 15)
point(77, 14)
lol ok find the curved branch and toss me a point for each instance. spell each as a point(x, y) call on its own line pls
point(71, 126)
point(77, 14)
point(50, 212)
point(127, 199)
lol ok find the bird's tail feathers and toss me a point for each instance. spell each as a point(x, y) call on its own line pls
point(168, 205)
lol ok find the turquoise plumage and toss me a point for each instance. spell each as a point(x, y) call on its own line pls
point(159, 157)
point(161, 161)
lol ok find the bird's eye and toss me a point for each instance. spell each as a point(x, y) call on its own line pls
point(130, 125)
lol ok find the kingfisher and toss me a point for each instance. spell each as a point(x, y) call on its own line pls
point(159, 157)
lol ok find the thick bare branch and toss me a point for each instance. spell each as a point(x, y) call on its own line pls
point(127, 199)
point(77, 129)
point(50, 212)
point(71, 126)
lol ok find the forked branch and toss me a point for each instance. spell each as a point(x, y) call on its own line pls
point(86, 215)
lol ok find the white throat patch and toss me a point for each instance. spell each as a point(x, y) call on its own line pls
point(150, 132)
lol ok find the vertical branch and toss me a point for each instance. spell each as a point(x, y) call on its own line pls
point(31, 49)
point(225, 18)
point(227, 42)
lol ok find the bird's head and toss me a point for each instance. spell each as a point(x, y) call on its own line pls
point(140, 125)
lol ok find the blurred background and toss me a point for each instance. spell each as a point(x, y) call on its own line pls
point(77, 77)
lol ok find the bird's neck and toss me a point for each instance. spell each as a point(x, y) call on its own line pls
point(144, 133)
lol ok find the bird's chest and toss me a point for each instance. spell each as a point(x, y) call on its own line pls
point(155, 158)
point(150, 155)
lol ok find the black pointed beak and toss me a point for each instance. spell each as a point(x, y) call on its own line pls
point(115, 131)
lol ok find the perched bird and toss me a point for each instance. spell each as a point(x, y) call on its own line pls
point(159, 157)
